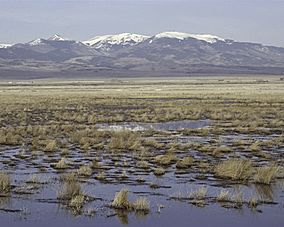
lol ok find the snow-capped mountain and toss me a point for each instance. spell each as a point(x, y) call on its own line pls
point(5, 46)
point(56, 37)
point(170, 53)
point(54, 48)
point(108, 42)
point(184, 36)
point(41, 41)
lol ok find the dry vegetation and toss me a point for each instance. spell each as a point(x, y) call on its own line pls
point(61, 126)
point(235, 169)
point(5, 183)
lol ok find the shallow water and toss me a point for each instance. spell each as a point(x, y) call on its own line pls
point(165, 126)
point(39, 206)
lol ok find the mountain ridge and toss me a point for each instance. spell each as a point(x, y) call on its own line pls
point(173, 53)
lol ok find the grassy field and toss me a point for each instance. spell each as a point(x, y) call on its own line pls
point(52, 127)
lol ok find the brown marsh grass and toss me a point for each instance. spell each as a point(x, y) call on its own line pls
point(234, 169)
point(5, 183)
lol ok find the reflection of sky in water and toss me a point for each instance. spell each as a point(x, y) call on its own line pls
point(165, 126)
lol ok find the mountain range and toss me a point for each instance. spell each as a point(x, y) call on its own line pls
point(164, 54)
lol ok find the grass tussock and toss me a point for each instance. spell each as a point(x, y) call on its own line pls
point(70, 190)
point(61, 164)
point(77, 202)
point(184, 163)
point(166, 159)
point(125, 140)
point(85, 171)
point(141, 205)
point(199, 194)
point(5, 183)
point(265, 175)
point(159, 171)
point(121, 201)
point(234, 169)
point(101, 176)
point(50, 146)
point(198, 197)
point(68, 177)
point(224, 196)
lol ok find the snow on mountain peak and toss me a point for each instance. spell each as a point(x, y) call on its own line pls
point(35, 42)
point(123, 39)
point(2, 46)
point(56, 37)
point(183, 36)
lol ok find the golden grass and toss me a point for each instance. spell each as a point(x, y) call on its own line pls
point(70, 190)
point(5, 183)
point(199, 194)
point(77, 202)
point(101, 176)
point(265, 175)
point(85, 171)
point(121, 201)
point(50, 146)
point(143, 165)
point(159, 171)
point(234, 169)
point(252, 203)
point(61, 164)
point(184, 163)
point(166, 159)
point(68, 177)
point(141, 204)
point(224, 196)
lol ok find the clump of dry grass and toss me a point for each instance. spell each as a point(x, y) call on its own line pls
point(140, 179)
point(5, 183)
point(61, 164)
point(238, 199)
point(143, 165)
point(141, 205)
point(222, 149)
point(121, 201)
point(77, 202)
point(252, 203)
point(85, 171)
point(95, 164)
point(265, 175)
point(125, 140)
point(166, 159)
point(199, 194)
point(198, 197)
point(184, 163)
point(159, 171)
point(50, 146)
point(101, 176)
point(234, 169)
point(123, 174)
point(224, 196)
point(68, 177)
point(70, 190)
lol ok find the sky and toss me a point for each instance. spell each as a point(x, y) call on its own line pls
point(260, 21)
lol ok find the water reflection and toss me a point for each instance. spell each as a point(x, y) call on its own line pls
point(5, 200)
point(265, 192)
point(164, 126)
point(122, 216)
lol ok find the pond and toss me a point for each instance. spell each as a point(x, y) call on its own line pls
point(162, 126)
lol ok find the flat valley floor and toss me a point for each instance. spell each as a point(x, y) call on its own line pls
point(204, 151)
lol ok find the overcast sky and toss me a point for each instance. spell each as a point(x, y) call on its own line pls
point(243, 20)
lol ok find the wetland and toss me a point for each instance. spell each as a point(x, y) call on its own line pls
point(197, 151)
